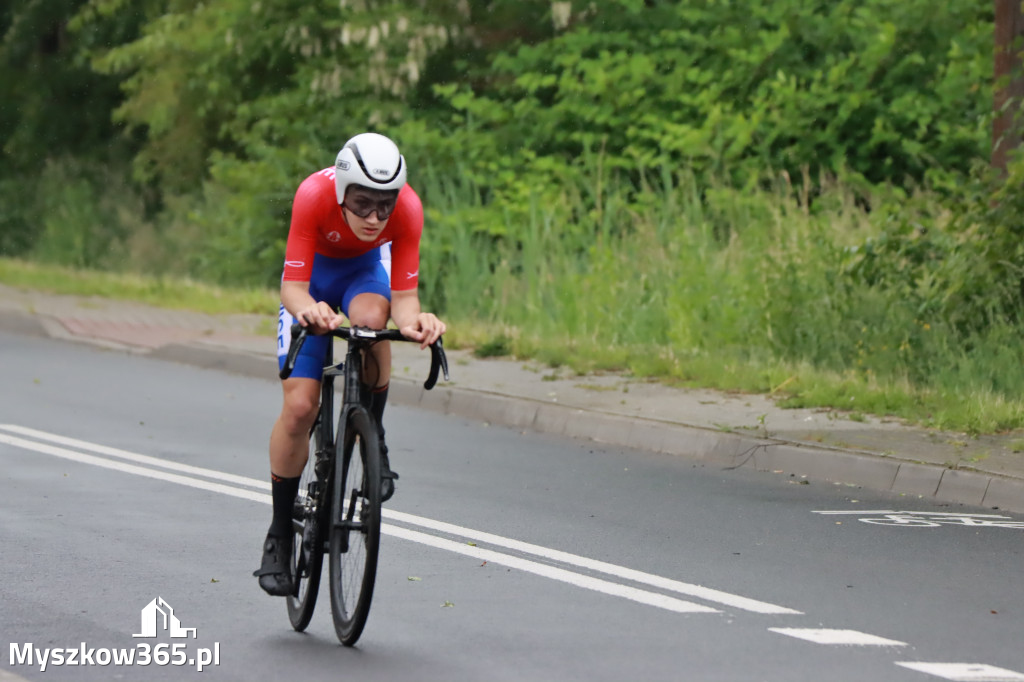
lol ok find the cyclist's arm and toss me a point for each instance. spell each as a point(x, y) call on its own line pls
point(413, 322)
point(313, 199)
point(305, 309)
point(405, 270)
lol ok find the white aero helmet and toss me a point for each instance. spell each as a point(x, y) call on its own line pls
point(369, 160)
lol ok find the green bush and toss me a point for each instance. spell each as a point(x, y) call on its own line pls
point(84, 215)
point(747, 195)
point(889, 90)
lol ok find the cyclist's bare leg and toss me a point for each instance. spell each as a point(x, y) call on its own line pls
point(289, 439)
point(289, 449)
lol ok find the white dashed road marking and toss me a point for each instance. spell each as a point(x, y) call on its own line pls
point(965, 672)
point(845, 637)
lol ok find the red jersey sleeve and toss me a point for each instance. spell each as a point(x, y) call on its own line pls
point(307, 213)
point(405, 246)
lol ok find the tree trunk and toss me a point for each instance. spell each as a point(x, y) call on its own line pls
point(1009, 84)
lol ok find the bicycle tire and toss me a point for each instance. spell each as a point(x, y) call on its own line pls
point(308, 540)
point(355, 527)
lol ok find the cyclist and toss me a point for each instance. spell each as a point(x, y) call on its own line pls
point(353, 244)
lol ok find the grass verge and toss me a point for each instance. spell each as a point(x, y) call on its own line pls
point(791, 384)
point(164, 292)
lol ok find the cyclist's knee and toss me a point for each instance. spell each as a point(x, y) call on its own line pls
point(299, 411)
point(369, 310)
point(297, 419)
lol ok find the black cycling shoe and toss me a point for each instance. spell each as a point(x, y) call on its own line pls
point(387, 476)
point(275, 572)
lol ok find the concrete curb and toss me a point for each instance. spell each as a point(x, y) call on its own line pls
point(719, 448)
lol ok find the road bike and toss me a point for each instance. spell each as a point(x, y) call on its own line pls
point(337, 510)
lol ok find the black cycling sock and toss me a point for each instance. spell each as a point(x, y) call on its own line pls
point(378, 399)
point(283, 491)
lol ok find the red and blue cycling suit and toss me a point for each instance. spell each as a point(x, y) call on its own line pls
point(323, 250)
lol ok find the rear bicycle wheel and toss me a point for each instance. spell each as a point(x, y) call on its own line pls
point(355, 531)
point(308, 539)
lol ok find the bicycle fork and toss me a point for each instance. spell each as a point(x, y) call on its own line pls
point(346, 505)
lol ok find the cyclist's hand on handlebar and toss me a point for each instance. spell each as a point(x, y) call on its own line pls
point(427, 329)
point(319, 318)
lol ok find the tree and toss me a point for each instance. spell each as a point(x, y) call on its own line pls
point(1009, 80)
point(53, 106)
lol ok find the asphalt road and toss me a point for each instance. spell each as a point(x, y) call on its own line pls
point(506, 555)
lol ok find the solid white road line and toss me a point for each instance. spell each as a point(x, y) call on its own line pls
point(697, 591)
point(133, 469)
point(135, 457)
point(841, 637)
point(965, 672)
point(562, 575)
point(679, 587)
point(547, 571)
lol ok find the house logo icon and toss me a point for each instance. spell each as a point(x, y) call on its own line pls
point(159, 615)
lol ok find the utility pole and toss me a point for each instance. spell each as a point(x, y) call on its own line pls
point(1008, 80)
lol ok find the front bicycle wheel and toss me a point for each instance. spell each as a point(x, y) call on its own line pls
point(355, 531)
point(308, 540)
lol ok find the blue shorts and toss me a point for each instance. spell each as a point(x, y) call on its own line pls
point(336, 281)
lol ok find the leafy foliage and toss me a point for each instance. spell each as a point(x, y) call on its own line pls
point(798, 177)
point(53, 106)
point(889, 90)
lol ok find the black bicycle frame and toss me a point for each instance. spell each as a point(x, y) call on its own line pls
point(359, 340)
point(351, 400)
